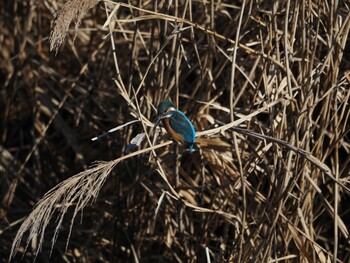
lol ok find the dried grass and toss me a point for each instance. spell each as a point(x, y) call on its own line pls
point(72, 11)
point(268, 94)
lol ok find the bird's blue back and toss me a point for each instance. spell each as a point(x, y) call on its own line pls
point(183, 126)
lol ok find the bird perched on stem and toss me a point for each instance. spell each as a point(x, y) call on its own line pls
point(176, 123)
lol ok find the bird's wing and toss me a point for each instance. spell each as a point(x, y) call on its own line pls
point(182, 125)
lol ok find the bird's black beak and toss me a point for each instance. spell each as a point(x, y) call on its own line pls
point(159, 118)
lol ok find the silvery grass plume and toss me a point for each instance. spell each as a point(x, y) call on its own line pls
point(78, 190)
point(72, 11)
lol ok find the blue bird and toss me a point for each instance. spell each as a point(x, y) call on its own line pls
point(176, 123)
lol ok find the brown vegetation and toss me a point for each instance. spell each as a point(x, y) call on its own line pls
point(266, 86)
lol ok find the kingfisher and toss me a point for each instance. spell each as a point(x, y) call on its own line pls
point(176, 123)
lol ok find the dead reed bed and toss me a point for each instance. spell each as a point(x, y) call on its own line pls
point(266, 84)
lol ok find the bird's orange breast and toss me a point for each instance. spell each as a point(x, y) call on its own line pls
point(173, 134)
